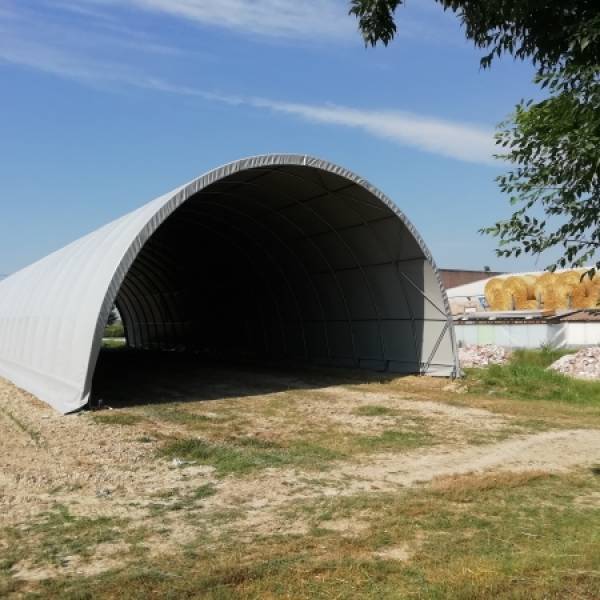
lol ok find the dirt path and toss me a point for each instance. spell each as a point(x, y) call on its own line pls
point(550, 452)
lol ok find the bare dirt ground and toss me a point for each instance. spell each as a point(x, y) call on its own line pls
point(376, 437)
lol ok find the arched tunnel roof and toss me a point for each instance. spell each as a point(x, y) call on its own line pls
point(275, 256)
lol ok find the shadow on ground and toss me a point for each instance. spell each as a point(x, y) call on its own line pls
point(126, 378)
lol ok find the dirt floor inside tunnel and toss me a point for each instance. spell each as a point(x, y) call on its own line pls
point(128, 377)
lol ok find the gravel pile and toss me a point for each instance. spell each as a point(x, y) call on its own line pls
point(584, 364)
point(482, 356)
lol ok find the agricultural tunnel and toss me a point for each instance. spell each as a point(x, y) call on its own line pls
point(271, 257)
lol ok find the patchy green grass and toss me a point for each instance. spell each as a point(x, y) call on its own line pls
point(518, 536)
point(174, 413)
point(174, 501)
point(116, 330)
point(61, 534)
point(513, 535)
point(393, 439)
point(204, 491)
point(116, 418)
point(110, 343)
point(312, 451)
point(541, 357)
point(375, 410)
point(58, 534)
point(243, 455)
point(525, 377)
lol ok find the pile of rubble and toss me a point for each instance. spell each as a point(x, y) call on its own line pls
point(482, 356)
point(584, 364)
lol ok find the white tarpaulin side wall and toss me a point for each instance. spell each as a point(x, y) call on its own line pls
point(53, 312)
point(49, 312)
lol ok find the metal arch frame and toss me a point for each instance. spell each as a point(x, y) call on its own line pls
point(336, 231)
point(157, 275)
point(269, 255)
point(280, 268)
point(330, 270)
point(351, 252)
point(182, 194)
point(368, 225)
point(401, 276)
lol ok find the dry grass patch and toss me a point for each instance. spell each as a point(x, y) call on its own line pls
point(469, 487)
point(523, 540)
point(374, 410)
point(116, 418)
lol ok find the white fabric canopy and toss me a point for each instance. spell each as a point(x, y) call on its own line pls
point(350, 281)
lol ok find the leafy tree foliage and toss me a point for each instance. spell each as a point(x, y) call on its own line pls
point(547, 31)
point(554, 144)
point(113, 317)
point(555, 147)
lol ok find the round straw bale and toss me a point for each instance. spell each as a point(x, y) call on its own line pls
point(547, 277)
point(569, 277)
point(538, 291)
point(517, 287)
point(551, 297)
point(578, 296)
point(563, 292)
point(583, 302)
point(530, 281)
point(515, 281)
point(501, 300)
point(526, 304)
point(490, 287)
point(587, 282)
point(594, 284)
point(593, 297)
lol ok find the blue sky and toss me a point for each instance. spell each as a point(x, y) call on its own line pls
point(106, 104)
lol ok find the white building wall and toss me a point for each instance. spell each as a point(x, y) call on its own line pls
point(533, 335)
point(582, 334)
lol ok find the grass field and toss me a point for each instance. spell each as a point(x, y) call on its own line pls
point(204, 482)
point(526, 377)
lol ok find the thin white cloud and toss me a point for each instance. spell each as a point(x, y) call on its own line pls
point(91, 34)
point(77, 59)
point(70, 62)
point(453, 139)
point(320, 21)
point(461, 141)
point(275, 18)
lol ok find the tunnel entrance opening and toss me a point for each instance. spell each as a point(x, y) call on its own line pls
point(285, 263)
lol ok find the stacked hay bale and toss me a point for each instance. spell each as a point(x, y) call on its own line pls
point(498, 298)
point(579, 297)
point(592, 290)
point(572, 285)
point(550, 291)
